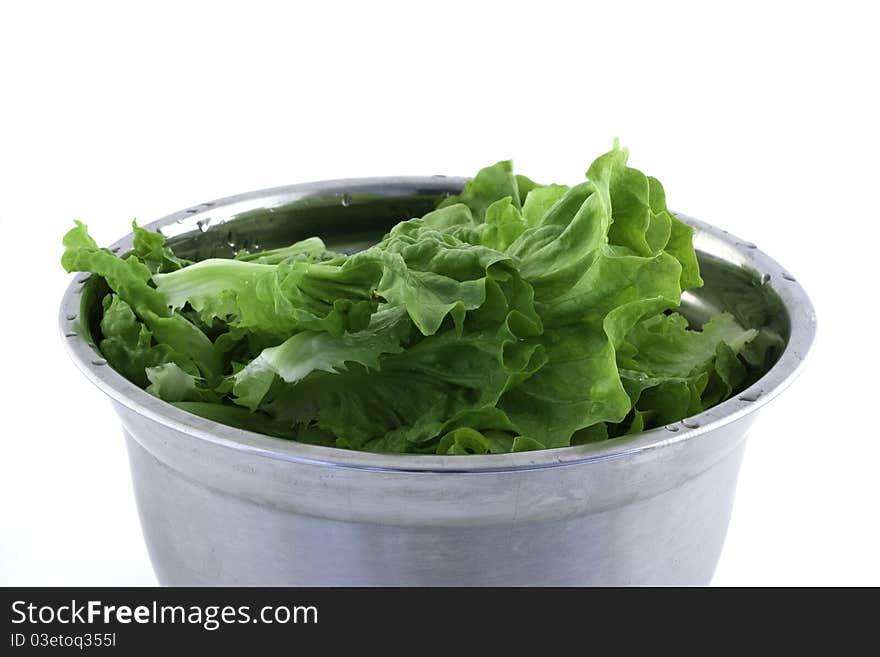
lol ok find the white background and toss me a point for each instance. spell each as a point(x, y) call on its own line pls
point(760, 118)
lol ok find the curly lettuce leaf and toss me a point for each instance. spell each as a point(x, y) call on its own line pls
point(128, 344)
point(514, 316)
point(171, 383)
point(149, 247)
point(314, 351)
point(491, 184)
point(309, 250)
point(277, 300)
point(434, 274)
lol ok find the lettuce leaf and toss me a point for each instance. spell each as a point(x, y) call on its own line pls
point(514, 316)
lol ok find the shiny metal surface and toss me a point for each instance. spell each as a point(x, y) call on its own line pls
point(219, 505)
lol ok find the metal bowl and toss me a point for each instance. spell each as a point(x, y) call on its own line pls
point(219, 505)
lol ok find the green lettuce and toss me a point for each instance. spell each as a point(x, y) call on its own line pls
point(515, 316)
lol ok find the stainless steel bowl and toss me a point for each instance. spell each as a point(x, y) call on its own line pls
point(219, 505)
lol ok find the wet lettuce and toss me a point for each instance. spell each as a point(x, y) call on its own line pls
point(515, 316)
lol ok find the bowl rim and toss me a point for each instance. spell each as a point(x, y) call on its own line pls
point(120, 390)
